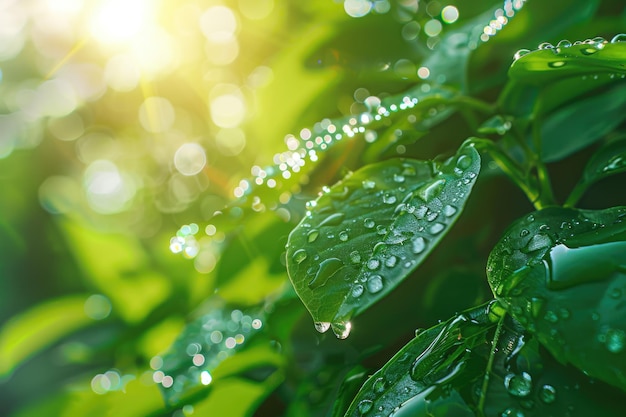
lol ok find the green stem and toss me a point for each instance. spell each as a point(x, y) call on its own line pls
point(509, 167)
point(546, 195)
point(576, 194)
point(474, 104)
point(492, 355)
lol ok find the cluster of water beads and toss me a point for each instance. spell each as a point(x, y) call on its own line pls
point(206, 343)
point(501, 18)
point(596, 44)
point(185, 241)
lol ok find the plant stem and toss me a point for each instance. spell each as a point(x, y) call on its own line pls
point(546, 195)
point(576, 194)
point(474, 104)
point(492, 355)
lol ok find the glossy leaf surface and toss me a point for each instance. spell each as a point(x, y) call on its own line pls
point(366, 233)
point(561, 273)
point(606, 161)
point(452, 370)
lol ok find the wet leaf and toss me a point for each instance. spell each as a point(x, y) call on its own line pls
point(562, 274)
point(452, 370)
point(366, 233)
point(606, 161)
point(550, 63)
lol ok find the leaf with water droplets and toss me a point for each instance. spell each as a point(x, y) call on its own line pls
point(391, 225)
point(608, 160)
point(480, 364)
point(562, 274)
point(551, 63)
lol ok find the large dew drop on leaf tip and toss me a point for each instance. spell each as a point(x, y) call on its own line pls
point(341, 329)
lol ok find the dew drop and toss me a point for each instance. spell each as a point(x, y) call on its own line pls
point(432, 190)
point(381, 230)
point(518, 385)
point(322, 326)
point(369, 223)
point(375, 284)
point(341, 329)
point(368, 184)
point(343, 236)
point(373, 264)
point(379, 385)
point(357, 290)
point(327, 269)
point(538, 242)
point(524, 233)
point(431, 215)
point(551, 316)
point(545, 45)
point(333, 220)
point(620, 37)
point(355, 257)
point(520, 54)
point(419, 244)
point(299, 256)
point(588, 51)
point(449, 210)
point(615, 293)
point(547, 394)
point(556, 64)
point(398, 178)
point(615, 340)
point(391, 261)
point(512, 412)
point(436, 228)
point(364, 406)
point(564, 44)
point(389, 198)
point(312, 235)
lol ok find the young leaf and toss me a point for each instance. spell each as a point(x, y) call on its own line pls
point(550, 63)
point(606, 161)
point(561, 273)
point(480, 364)
point(366, 233)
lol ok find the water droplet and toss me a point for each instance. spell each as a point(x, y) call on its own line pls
point(537, 242)
point(419, 244)
point(431, 215)
point(615, 293)
point(512, 412)
point(564, 313)
point(327, 269)
point(369, 223)
point(620, 37)
point(588, 51)
point(333, 220)
point(312, 235)
point(343, 236)
point(432, 190)
point(436, 228)
point(547, 394)
point(449, 210)
point(556, 64)
point(357, 290)
point(355, 257)
point(341, 329)
point(322, 326)
point(364, 406)
point(368, 184)
point(379, 385)
point(375, 284)
point(518, 385)
point(520, 54)
point(373, 264)
point(551, 316)
point(389, 198)
point(381, 230)
point(545, 45)
point(615, 340)
point(299, 256)
point(391, 261)
point(398, 178)
point(564, 44)
point(310, 204)
point(536, 306)
point(524, 233)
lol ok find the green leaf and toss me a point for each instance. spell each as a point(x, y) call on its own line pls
point(562, 274)
point(366, 233)
point(578, 125)
point(480, 364)
point(608, 160)
point(550, 63)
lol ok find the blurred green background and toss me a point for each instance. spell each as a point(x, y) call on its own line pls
point(121, 121)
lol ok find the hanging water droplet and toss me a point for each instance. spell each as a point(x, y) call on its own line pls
point(341, 329)
point(615, 340)
point(449, 210)
point(519, 385)
point(299, 256)
point(379, 385)
point(389, 198)
point(322, 326)
point(364, 406)
point(312, 235)
point(343, 236)
point(369, 223)
point(419, 244)
point(375, 284)
point(357, 290)
point(391, 261)
point(368, 184)
point(436, 228)
point(620, 37)
point(355, 257)
point(520, 53)
point(432, 190)
point(373, 264)
point(327, 269)
point(547, 394)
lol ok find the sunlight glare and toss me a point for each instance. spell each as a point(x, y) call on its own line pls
point(117, 21)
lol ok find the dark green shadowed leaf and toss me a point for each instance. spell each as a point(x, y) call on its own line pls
point(453, 370)
point(562, 274)
point(366, 233)
point(550, 63)
point(606, 161)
